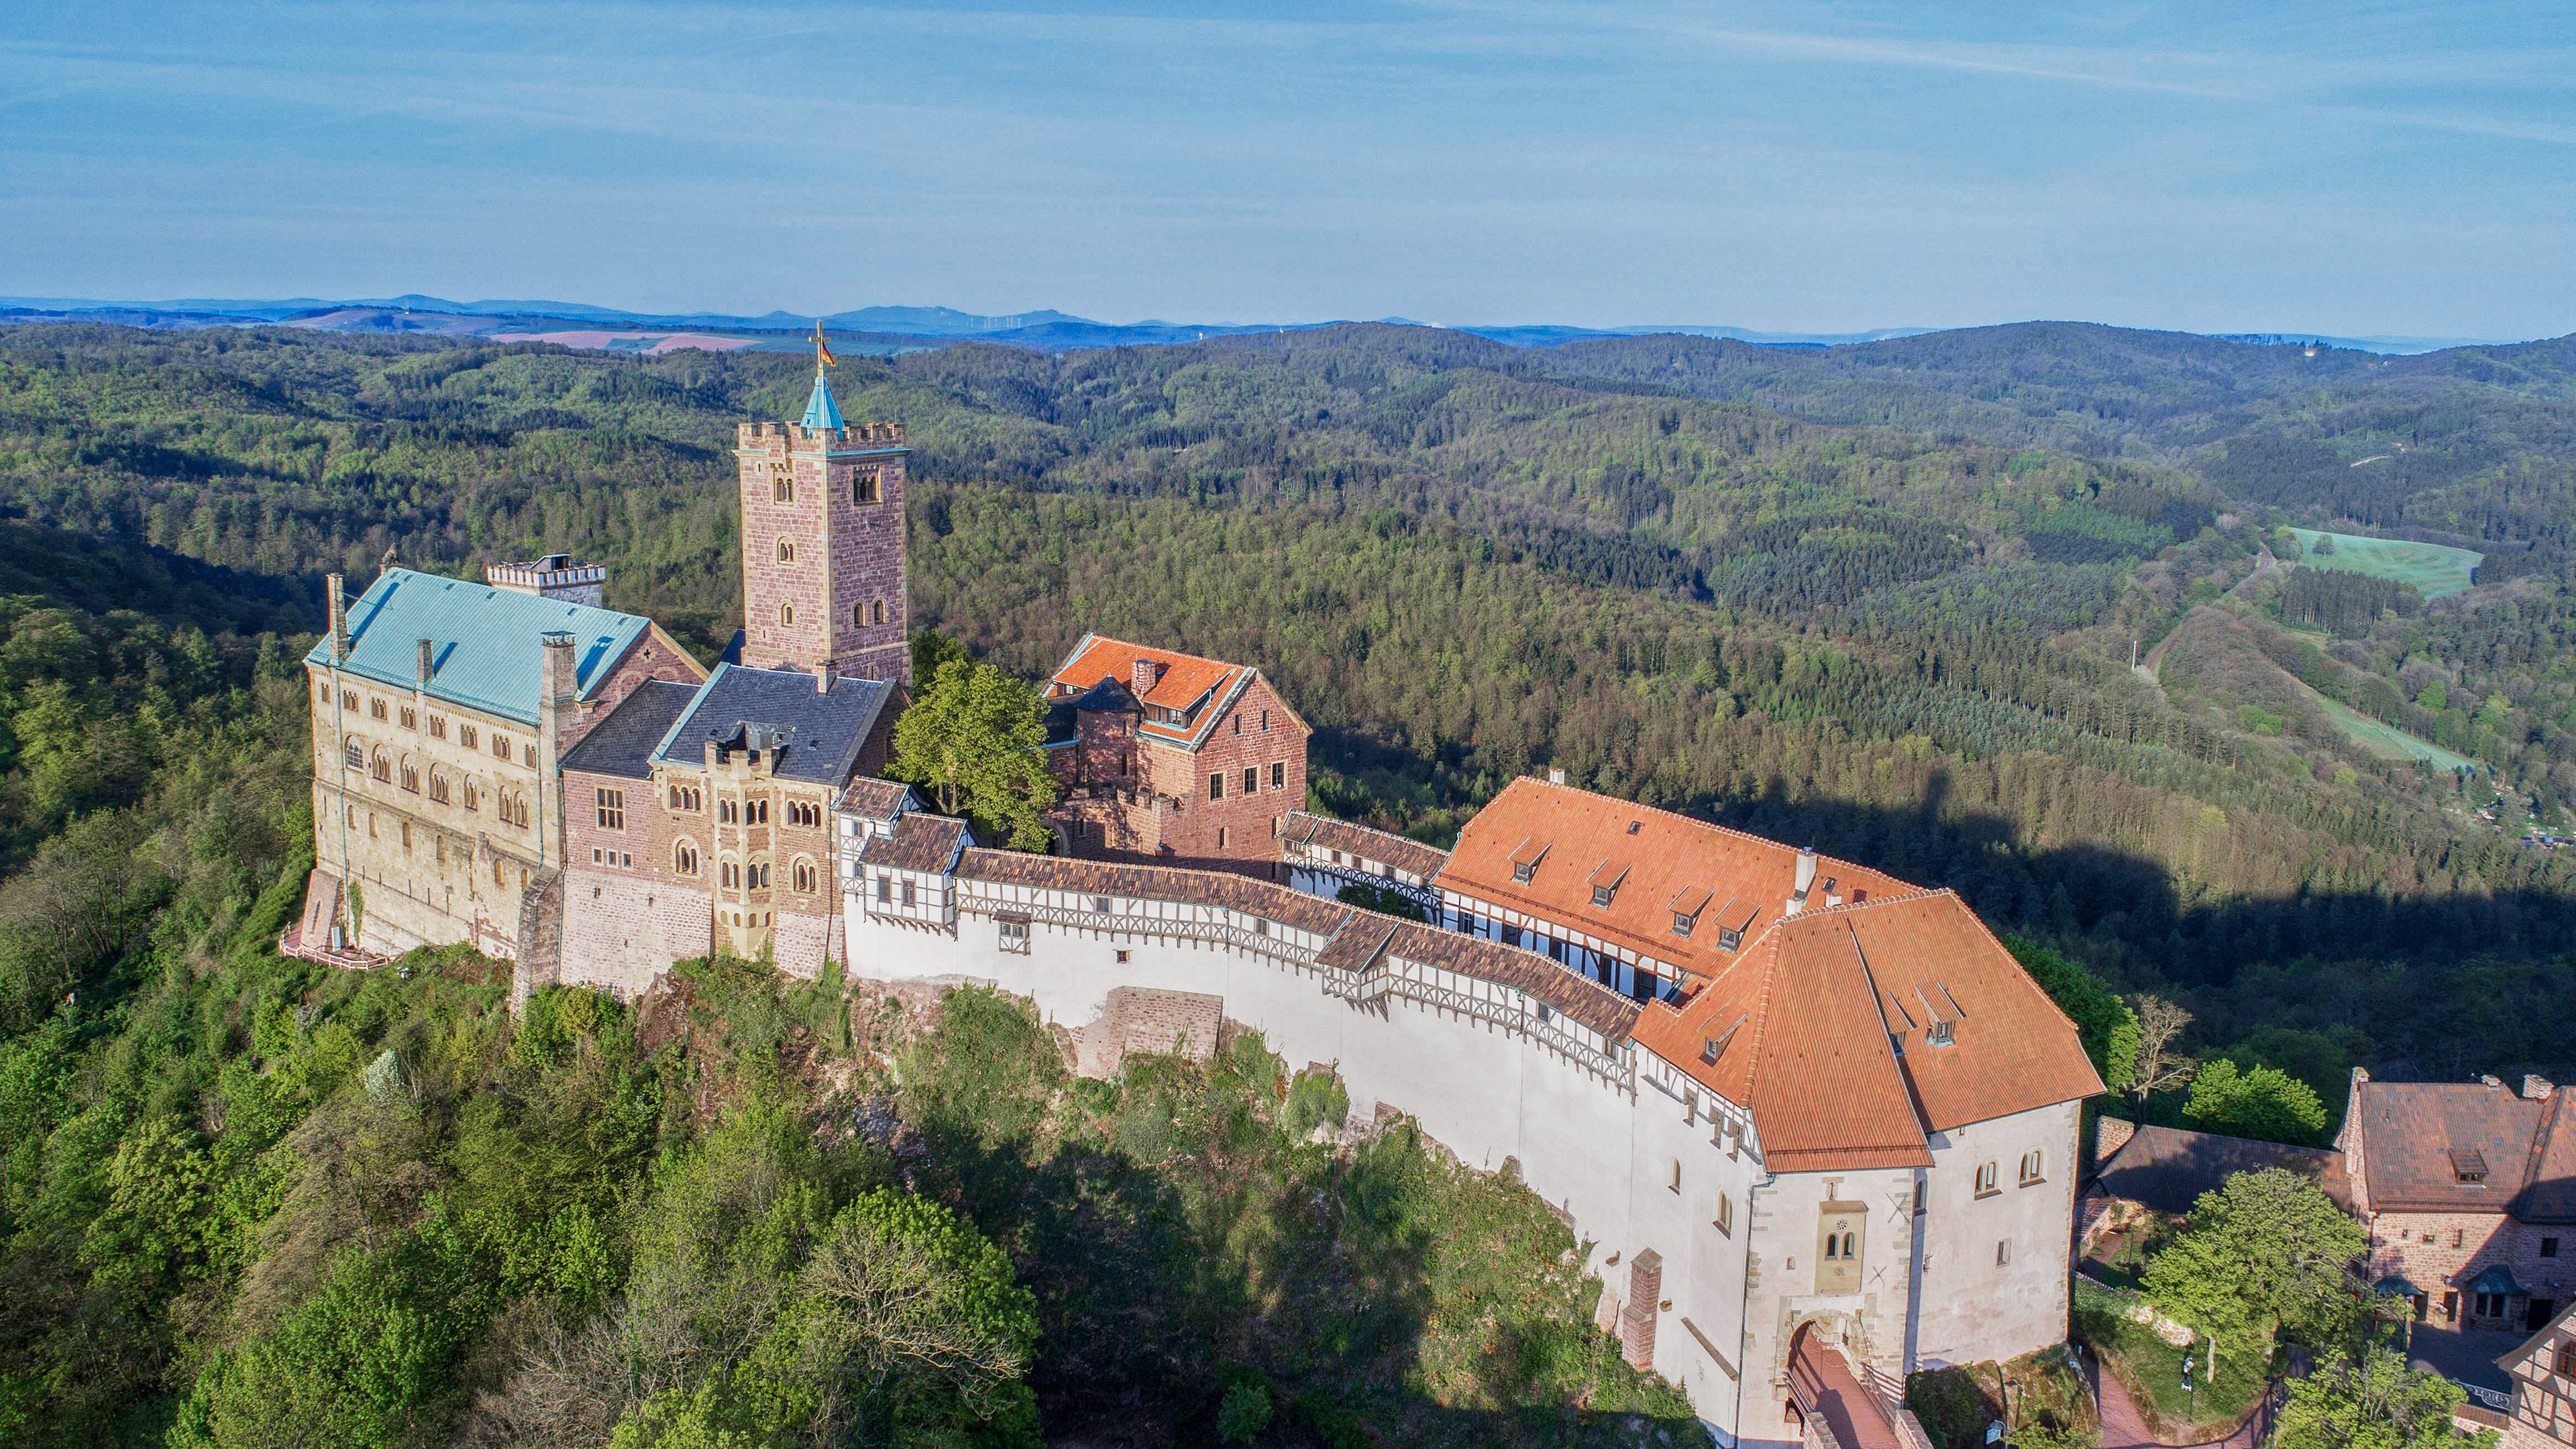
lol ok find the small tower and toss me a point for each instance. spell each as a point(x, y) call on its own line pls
point(555, 576)
point(823, 570)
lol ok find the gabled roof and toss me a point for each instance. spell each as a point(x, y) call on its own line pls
point(875, 799)
point(485, 652)
point(1569, 832)
point(1813, 1008)
point(2419, 1138)
point(2167, 1168)
point(1411, 856)
point(918, 842)
point(1181, 681)
point(621, 745)
point(817, 736)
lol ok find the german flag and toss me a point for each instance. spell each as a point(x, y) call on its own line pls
point(822, 350)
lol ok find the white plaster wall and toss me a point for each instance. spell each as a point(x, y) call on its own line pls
point(1704, 1269)
point(1972, 1309)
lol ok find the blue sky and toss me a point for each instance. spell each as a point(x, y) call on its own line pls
point(2340, 168)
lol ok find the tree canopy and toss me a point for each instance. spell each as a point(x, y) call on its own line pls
point(975, 738)
point(2264, 1253)
point(2374, 1401)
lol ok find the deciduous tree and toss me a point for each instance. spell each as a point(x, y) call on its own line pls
point(975, 739)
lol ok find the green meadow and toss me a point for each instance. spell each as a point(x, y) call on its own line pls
point(2434, 569)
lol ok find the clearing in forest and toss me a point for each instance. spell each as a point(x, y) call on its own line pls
point(2434, 569)
point(2386, 740)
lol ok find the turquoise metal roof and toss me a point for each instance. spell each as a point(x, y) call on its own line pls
point(820, 410)
point(484, 642)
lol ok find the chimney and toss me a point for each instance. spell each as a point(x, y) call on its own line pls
point(2491, 1083)
point(558, 674)
point(420, 670)
point(1142, 677)
point(823, 674)
point(339, 619)
point(1833, 891)
point(1556, 774)
point(2537, 1087)
point(1806, 881)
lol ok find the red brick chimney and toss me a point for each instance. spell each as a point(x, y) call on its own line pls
point(1144, 675)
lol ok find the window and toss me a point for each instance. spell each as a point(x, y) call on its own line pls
point(2030, 1168)
point(782, 489)
point(1279, 775)
point(1920, 1194)
point(907, 890)
point(406, 835)
point(514, 808)
point(1265, 725)
point(2564, 1365)
point(729, 812)
point(684, 858)
point(2549, 1247)
point(804, 812)
point(732, 875)
point(411, 777)
point(1725, 1222)
point(885, 887)
point(787, 550)
point(529, 753)
point(1842, 1247)
point(2459, 1237)
point(473, 796)
point(802, 877)
point(348, 699)
point(756, 875)
point(1260, 926)
point(1251, 780)
point(1100, 905)
point(376, 709)
point(2487, 1305)
point(786, 616)
point(1221, 834)
point(496, 872)
point(500, 746)
point(354, 755)
point(410, 718)
point(437, 788)
point(1675, 1185)
point(382, 767)
point(438, 727)
point(371, 825)
point(1015, 935)
point(2003, 1253)
point(1216, 785)
point(1682, 924)
point(1601, 895)
point(755, 812)
point(1985, 1178)
point(876, 611)
point(685, 798)
point(465, 736)
point(1238, 722)
point(858, 616)
point(863, 486)
point(1522, 870)
point(1939, 1034)
point(612, 809)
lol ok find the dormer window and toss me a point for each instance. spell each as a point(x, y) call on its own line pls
point(1686, 905)
point(1938, 1034)
point(1711, 1048)
point(1605, 882)
point(1681, 924)
point(1733, 920)
point(1525, 860)
point(2469, 1166)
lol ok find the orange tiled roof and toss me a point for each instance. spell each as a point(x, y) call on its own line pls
point(1671, 861)
point(1183, 678)
point(1806, 1010)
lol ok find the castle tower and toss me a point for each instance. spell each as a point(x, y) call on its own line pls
point(823, 571)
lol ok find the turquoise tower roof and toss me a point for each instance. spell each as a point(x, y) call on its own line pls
point(820, 410)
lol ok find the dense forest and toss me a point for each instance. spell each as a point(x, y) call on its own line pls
point(1882, 599)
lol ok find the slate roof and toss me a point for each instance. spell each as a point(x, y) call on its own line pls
point(1411, 856)
point(621, 745)
point(485, 649)
point(824, 733)
point(2410, 1131)
point(2167, 1168)
point(919, 842)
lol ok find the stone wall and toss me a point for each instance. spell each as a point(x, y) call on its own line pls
point(847, 556)
point(621, 929)
point(1238, 831)
point(2442, 1253)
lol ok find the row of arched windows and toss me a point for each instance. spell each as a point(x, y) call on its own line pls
point(862, 614)
point(804, 876)
point(384, 767)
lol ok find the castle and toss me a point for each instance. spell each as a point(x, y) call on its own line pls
point(1816, 1126)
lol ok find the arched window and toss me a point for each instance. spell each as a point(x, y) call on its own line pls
point(410, 776)
point(473, 794)
point(685, 798)
point(876, 611)
point(804, 876)
point(2029, 1168)
point(787, 550)
point(756, 875)
point(1985, 1177)
point(437, 786)
point(382, 767)
point(684, 858)
point(786, 615)
point(863, 486)
point(782, 489)
point(353, 754)
point(731, 875)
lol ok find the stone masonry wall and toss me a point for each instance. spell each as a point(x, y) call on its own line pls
point(1237, 832)
point(848, 557)
point(2442, 1253)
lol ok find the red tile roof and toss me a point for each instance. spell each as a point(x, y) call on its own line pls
point(1360, 840)
point(1181, 681)
point(1806, 1010)
point(2410, 1131)
point(1672, 862)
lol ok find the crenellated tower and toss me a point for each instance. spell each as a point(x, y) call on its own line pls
point(823, 570)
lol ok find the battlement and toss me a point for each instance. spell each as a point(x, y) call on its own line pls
point(782, 437)
point(555, 576)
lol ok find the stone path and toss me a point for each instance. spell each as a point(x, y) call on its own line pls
point(2124, 1427)
point(1852, 1412)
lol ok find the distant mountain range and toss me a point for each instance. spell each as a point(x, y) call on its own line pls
point(888, 329)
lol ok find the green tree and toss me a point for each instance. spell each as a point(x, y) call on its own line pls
point(2262, 1254)
point(975, 738)
point(2374, 1402)
point(2260, 1102)
point(930, 649)
point(2103, 1022)
point(1385, 900)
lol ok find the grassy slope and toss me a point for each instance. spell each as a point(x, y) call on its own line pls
point(2386, 740)
point(2434, 569)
